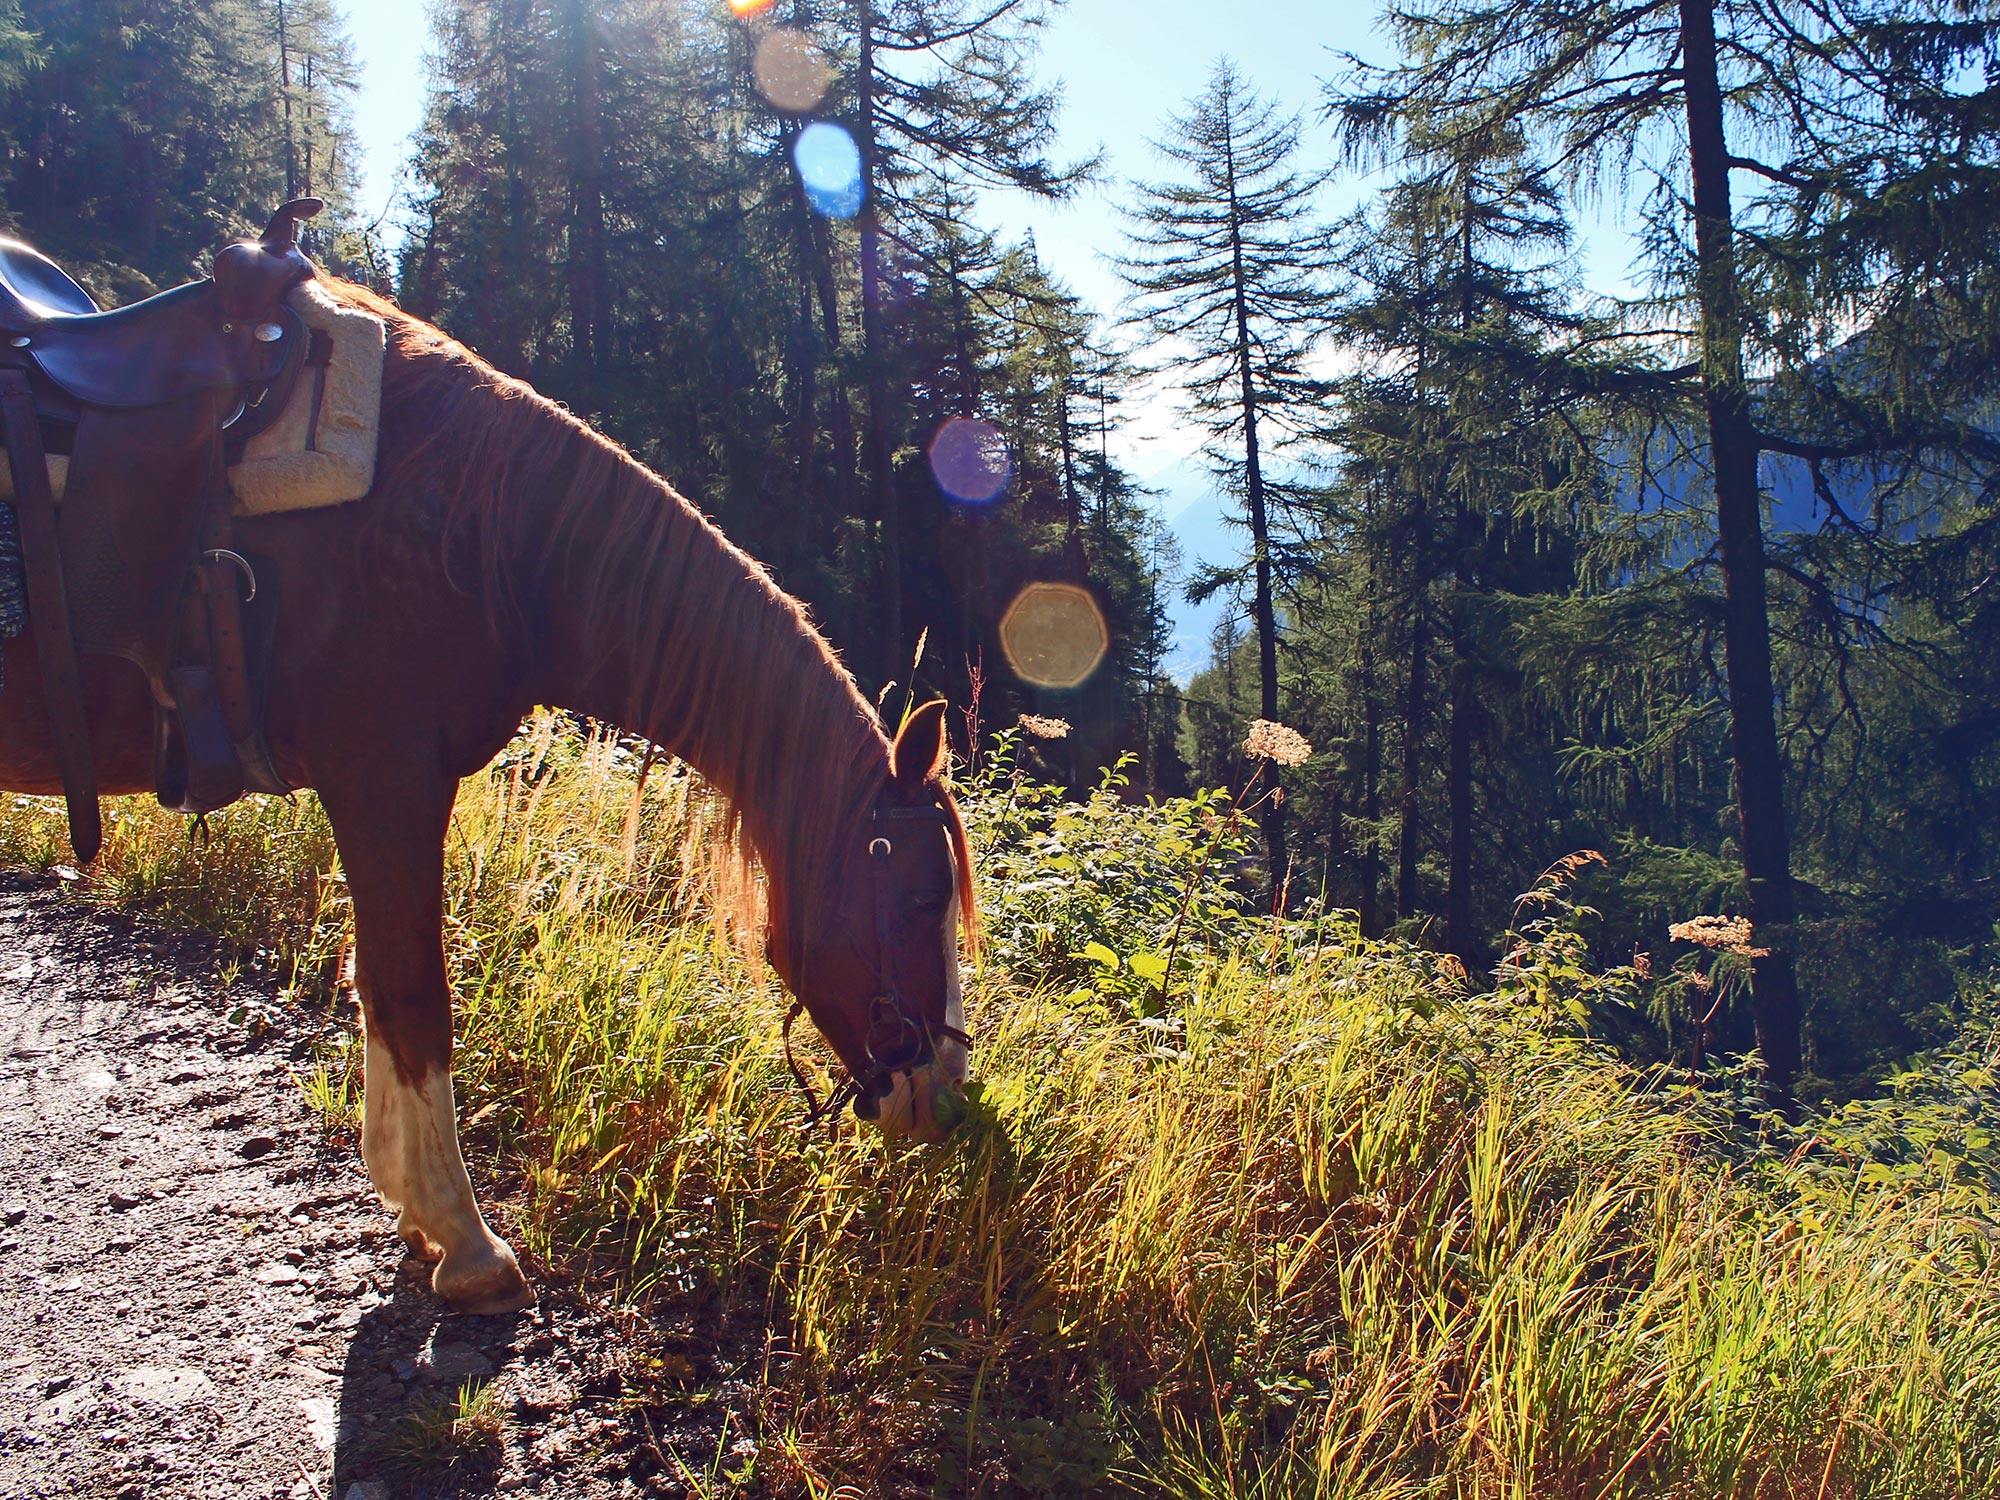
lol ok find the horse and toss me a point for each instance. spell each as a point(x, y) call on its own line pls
point(510, 556)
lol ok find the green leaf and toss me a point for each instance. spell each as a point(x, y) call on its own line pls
point(1098, 954)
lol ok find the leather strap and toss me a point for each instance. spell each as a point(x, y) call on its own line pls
point(48, 611)
point(217, 580)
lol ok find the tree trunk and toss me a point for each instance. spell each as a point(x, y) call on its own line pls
point(1369, 910)
point(285, 98)
point(1415, 707)
point(874, 356)
point(589, 280)
point(1262, 608)
point(1733, 445)
point(1458, 934)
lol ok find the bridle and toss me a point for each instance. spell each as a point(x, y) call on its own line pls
point(898, 1037)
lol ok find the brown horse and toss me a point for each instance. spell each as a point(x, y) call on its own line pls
point(508, 556)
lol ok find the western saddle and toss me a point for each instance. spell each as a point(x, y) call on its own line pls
point(151, 403)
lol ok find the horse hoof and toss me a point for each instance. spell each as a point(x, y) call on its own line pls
point(488, 1289)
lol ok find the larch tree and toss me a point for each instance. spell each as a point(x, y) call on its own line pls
point(1226, 265)
point(1690, 90)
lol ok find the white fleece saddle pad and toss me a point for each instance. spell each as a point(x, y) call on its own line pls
point(321, 450)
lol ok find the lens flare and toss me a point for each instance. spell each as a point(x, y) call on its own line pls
point(1054, 634)
point(744, 10)
point(969, 460)
point(792, 74)
point(829, 166)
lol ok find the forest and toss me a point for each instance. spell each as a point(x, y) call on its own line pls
point(1698, 581)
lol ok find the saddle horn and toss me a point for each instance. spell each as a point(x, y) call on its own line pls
point(252, 276)
point(283, 230)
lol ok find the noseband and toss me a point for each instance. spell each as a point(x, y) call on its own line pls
point(898, 1037)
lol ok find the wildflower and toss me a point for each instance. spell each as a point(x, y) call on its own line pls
point(1045, 728)
point(1276, 742)
point(1725, 934)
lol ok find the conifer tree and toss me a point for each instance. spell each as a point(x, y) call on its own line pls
point(1594, 84)
point(142, 135)
point(1225, 260)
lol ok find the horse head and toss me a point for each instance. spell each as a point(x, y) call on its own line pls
point(877, 970)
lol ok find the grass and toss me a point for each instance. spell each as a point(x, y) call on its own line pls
point(448, 1432)
point(1323, 1224)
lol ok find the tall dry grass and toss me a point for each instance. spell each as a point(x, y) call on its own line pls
point(1328, 1226)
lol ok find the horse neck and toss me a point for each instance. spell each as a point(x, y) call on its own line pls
point(660, 624)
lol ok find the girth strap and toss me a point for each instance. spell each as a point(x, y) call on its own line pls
point(48, 611)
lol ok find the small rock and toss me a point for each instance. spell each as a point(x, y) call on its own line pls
point(121, 1245)
point(455, 1362)
point(55, 1385)
point(512, 1482)
point(122, 1200)
point(13, 1213)
point(256, 1146)
point(403, 1368)
point(110, 1132)
point(158, 1386)
point(278, 1274)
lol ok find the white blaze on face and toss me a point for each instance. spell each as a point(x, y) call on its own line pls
point(951, 1052)
point(925, 1103)
point(409, 1139)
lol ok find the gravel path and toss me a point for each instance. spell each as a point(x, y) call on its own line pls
point(200, 1296)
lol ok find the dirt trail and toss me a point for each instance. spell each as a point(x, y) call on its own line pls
point(199, 1295)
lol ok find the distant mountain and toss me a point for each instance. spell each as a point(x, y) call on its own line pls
point(1196, 515)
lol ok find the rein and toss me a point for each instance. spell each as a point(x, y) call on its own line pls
point(898, 1037)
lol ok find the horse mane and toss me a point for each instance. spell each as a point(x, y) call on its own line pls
point(535, 501)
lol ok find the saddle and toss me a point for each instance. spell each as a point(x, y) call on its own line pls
point(151, 402)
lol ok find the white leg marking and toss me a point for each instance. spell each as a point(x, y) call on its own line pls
point(927, 1103)
point(409, 1138)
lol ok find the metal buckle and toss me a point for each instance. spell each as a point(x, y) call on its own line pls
point(883, 1011)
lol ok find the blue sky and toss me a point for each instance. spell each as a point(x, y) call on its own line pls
point(1124, 66)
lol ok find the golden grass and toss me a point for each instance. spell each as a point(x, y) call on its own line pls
point(1353, 1233)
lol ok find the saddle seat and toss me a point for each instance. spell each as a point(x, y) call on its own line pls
point(152, 402)
point(229, 333)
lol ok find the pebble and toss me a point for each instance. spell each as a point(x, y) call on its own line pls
point(454, 1362)
point(122, 1200)
point(13, 1213)
point(256, 1146)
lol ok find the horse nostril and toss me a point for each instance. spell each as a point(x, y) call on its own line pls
point(868, 1101)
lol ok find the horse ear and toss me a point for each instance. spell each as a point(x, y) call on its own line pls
point(918, 753)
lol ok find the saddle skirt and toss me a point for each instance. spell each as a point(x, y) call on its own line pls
point(321, 448)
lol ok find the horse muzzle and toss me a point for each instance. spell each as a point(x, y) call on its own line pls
point(924, 1101)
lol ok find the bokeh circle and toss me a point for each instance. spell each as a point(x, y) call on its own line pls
point(1054, 634)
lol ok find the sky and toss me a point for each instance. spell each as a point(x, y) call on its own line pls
point(1125, 65)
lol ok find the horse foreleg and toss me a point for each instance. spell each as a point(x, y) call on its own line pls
point(392, 846)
